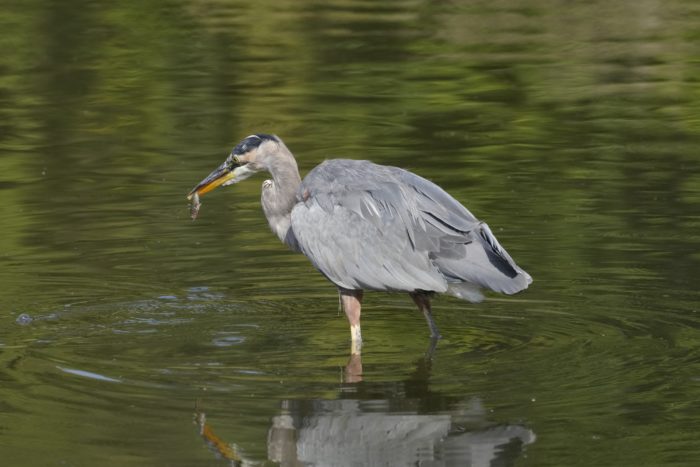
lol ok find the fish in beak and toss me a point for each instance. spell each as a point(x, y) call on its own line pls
point(224, 173)
point(228, 173)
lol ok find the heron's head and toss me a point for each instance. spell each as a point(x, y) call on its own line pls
point(250, 156)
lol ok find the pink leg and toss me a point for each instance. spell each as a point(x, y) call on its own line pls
point(422, 300)
point(352, 304)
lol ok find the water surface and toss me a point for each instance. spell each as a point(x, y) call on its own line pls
point(130, 335)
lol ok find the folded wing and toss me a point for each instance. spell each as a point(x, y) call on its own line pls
point(367, 226)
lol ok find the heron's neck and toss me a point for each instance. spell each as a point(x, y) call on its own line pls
point(286, 178)
point(279, 199)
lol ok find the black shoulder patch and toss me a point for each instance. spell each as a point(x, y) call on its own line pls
point(252, 142)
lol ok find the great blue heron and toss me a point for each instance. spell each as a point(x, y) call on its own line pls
point(372, 227)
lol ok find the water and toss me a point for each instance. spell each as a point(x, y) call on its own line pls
point(130, 335)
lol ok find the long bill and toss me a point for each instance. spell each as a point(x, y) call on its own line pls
point(224, 173)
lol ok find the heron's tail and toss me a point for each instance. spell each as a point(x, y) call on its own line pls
point(482, 263)
point(512, 278)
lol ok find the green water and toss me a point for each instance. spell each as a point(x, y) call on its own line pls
point(132, 336)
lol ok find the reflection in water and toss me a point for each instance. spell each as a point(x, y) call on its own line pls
point(370, 431)
point(353, 432)
point(353, 369)
point(352, 372)
point(221, 448)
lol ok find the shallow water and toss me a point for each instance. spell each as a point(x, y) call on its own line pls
point(130, 335)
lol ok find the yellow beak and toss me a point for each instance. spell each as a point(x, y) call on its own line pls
point(218, 177)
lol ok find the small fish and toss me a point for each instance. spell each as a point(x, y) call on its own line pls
point(194, 208)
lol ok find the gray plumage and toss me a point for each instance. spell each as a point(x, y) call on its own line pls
point(371, 227)
point(368, 226)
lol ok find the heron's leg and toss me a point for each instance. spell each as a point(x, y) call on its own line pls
point(352, 303)
point(422, 300)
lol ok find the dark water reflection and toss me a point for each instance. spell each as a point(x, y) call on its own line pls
point(378, 432)
point(571, 127)
point(400, 423)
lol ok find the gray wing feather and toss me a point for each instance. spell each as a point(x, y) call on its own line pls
point(468, 250)
point(354, 251)
point(383, 228)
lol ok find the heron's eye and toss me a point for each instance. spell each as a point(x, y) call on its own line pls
point(233, 162)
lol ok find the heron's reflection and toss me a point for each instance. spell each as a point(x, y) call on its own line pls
point(353, 369)
point(412, 426)
point(225, 450)
point(356, 432)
